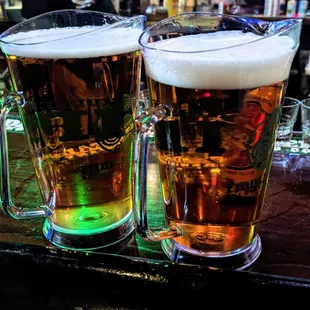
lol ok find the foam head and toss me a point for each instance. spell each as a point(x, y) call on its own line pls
point(74, 42)
point(229, 60)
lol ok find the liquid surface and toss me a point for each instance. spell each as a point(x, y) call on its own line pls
point(229, 60)
point(73, 42)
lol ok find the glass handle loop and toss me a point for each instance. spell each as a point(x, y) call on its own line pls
point(144, 123)
point(7, 103)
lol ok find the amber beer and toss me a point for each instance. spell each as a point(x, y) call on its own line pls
point(215, 148)
point(79, 113)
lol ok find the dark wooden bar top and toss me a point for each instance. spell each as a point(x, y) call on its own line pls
point(284, 228)
point(35, 274)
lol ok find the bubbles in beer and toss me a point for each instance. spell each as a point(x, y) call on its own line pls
point(73, 42)
point(220, 60)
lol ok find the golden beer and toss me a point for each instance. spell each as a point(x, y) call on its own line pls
point(79, 99)
point(215, 147)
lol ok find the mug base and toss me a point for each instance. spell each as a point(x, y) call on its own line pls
point(238, 259)
point(79, 242)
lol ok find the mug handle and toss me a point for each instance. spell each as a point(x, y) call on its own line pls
point(144, 123)
point(7, 103)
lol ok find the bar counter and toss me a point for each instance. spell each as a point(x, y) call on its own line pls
point(136, 274)
point(35, 274)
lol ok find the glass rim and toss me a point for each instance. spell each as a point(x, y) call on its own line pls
point(292, 105)
point(294, 21)
point(122, 19)
point(306, 103)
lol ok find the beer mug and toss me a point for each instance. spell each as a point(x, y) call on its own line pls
point(76, 75)
point(216, 84)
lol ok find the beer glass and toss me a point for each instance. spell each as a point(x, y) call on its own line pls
point(76, 76)
point(290, 110)
point(305, 122)
point(216, 86)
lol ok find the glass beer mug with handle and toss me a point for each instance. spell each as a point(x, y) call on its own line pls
point(76, 75)
point(216, 84)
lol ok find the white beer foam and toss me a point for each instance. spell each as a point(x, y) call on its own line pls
point(74, 42)
point(257, 63)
